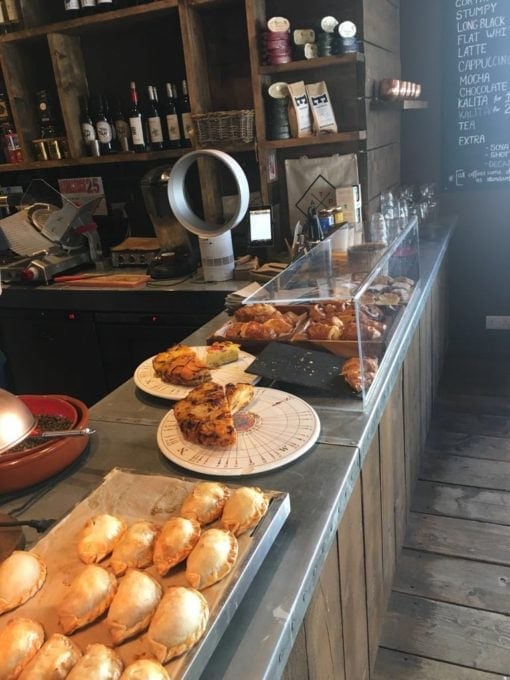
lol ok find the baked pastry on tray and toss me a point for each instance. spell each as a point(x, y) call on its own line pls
point(212, 558)
point(178, 624)
point(98, 663)
point(205, 416)
point(243, 509)
point(134, 603)
point(20, 641)
point(175, 542)
point(205, 502)
point(99, 536)
point(22, 574)
point(54, 660)
point(145, 669)
point(135, 548)
point(89, 595)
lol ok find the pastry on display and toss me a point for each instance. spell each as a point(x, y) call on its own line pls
point(20, 641)
point(244, 508)
point(54, 660)
point(22, 575)
point(239, 395)
point(134, 603)
point(212, 558)
point(98, 663)
point(178, 624)
point(89, 595)
point(99, 537)
point(135, 548)
point(257, 312)
point(145, 669)
point(260, 322)
point(205, 503)
point(180, 365)
point(355, 377)
point(221, 353)
point(176, 540)
point(205, 416)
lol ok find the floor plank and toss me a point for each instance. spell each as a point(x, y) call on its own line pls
point(465, 444)
point(488, 474)
point(454, 634)
point(459, 538)
point(457, 581)
point(473, 403)
point(467, 502)
point(474, 423)
point(393, 665)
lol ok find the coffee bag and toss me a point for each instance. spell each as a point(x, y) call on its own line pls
point(322, 111)
point(299, 110)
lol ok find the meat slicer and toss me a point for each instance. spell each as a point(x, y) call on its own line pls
point(47, 235)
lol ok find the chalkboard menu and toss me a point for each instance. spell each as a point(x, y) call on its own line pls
point(476, 94)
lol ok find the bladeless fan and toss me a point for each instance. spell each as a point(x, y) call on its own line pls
point(215, 240)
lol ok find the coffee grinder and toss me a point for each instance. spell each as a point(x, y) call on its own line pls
point(179, 254)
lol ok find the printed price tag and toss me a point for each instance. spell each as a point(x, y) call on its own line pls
point(80, 190)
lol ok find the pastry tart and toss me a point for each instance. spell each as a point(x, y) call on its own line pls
point(179, 622)
point(99, 537)
point(132, 608)
point(89, 595)
point(20, 641)
point(243, 509)
point(98, 663)
point(22, 574)
point(54, 660)
point(145, 669)
point(205, 503)
point(135, 548)
point(175, 542)
point(212, 558)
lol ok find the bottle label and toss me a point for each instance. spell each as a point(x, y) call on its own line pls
point(155, 131)
point(187, 125)
point(88, 132)
point(72, 4)
point(88, 3)
point(137, 131)
point(104, 131)
point(172, 123)
point(104, 2)
point(122, 128)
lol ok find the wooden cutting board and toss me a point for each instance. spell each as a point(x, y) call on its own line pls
point(111, 281)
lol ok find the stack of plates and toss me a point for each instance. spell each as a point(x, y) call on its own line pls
point(235, 299)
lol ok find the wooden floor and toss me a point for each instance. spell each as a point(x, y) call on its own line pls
point(449, 612)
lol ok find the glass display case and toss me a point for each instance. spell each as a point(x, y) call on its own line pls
point(347, 304)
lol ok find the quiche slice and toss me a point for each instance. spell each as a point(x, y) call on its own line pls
point(186, 369)
point(205, 416)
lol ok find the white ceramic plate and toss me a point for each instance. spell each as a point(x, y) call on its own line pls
point(149, 382)
point(275, 429)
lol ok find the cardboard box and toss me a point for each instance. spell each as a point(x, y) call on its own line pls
point(349, 199)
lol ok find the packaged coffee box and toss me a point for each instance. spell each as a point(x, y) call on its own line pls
point(300, 118)
point(322, 111)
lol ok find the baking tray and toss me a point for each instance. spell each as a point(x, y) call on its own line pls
point(134, 495)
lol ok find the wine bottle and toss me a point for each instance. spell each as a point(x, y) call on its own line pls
point(173, 131)
point(136, 122)
point(184, 111)
point(88, 6)
point(154, 120)
point(109, 118)
point(121, 127)
point(47, 114)
point(103, 128)
point(10, 15)
point(71, 8)
point(105, 5)
point(88, 131)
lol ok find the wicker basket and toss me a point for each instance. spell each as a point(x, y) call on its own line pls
point(224, 126)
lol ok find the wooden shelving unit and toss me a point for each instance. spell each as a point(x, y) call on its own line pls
point(310, 64)
point(293, 143)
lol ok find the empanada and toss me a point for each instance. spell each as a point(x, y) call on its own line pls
point(20, 641)
point(179, 622)
point(22, 574)
point(132, 608)
point(243, 509)
point(89, 595)
point(54, 660)
point(145, 669)
point(175, 542)
point(205, 502)
point(135, 548)
point(212, 558)
point(99, 537)
point(98, 663)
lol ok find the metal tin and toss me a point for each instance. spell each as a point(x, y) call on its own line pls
point(347, 29)
point(278, 90)
point(328, 24)
point(278, 24)
point(311, 51)
point(301, 36)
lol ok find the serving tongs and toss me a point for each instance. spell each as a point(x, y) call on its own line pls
point(53, 434)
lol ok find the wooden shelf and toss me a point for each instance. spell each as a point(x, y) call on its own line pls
point(229, 147)
point(318, 62)
point(339, 138)
point(82, 24)
point(404, 105)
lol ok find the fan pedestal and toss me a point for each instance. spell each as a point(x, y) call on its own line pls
point(11, 538)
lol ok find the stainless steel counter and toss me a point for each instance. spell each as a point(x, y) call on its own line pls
point(259, 639)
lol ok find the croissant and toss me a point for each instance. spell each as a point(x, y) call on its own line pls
point(256, 312)
point(234, 331)
point(279, 325)
point(323, 331)
point(257, 331)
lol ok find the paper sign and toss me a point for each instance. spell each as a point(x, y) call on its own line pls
point(80, 190)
